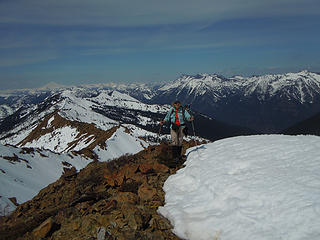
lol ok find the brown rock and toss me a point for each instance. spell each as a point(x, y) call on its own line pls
point(14, 201)
point(43, 230)
point(146, 168)
point(160, 168)
point(159, 223)
point(128, 170)
point(126, 197)
point(146, 192)
point(115, 179)
point(69, 172)
point(83, 206)
point(105, 207)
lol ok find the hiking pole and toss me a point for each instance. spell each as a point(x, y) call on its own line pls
point(159, 133)
point(194, 134)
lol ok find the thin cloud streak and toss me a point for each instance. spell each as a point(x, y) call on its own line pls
point(19, 58)
point(146, 12)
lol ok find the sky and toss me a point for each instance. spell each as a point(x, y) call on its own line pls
point(75, 42)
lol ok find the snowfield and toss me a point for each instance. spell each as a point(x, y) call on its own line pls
point(119, 144)
point(24, 177)
point(31, 172)
point(254, 187)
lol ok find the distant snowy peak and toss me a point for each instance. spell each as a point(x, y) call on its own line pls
point(200, 84)
point(196, 81)
point(302, 86)
point(140, 91)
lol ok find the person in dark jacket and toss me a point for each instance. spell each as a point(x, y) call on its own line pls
point(177, 117)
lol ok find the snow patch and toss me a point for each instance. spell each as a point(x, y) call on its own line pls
point(120, 143)
point(255, 187)
point(25, 178)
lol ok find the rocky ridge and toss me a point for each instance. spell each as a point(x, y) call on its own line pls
point(88, 134)
point(105, 200)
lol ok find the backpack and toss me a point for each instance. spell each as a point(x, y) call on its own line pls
point(175, 127)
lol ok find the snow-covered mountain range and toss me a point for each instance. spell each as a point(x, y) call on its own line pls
point(267, 103)
point(43, 132)
point(302, 87)
point(104, 121)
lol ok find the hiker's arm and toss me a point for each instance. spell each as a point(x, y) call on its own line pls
point(188, 116)
point(167, 117)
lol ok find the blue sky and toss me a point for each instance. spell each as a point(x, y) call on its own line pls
point(75, 42)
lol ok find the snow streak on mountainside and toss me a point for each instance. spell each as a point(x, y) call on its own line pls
point(24, 172)
point(255, 187)
point(201, 84)
point(300, 86)
point(140, 91)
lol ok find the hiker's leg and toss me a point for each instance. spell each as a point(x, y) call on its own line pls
point(174, 138)
point(179, 151)
point(180, 136)
point(174, 144)
point(180, 141)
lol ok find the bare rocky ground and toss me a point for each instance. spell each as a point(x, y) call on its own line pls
point(105, 200)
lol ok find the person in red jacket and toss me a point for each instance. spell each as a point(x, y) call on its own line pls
point(177, 117)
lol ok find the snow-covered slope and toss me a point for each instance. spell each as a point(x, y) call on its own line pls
point(24, 172)
point(266, 187)
point(13, 101)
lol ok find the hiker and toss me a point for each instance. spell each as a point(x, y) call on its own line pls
point(177, 117)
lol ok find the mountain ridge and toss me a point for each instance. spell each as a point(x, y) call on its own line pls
point(119, 198)
point(267, 103)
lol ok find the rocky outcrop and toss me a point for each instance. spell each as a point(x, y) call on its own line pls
point(114, 200)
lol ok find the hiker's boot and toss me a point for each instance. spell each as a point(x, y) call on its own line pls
point(181, 156)
point(174, 162)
